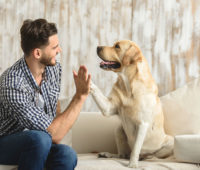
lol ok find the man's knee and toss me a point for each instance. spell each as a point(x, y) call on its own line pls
point(67, 155)
point(70, 154)
point(40, 141)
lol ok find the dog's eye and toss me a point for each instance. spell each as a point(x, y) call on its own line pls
point(117, 46)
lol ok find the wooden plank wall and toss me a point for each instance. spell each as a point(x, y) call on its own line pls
point(168, 32)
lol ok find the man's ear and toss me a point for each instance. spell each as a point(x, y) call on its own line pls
point(132, 56)
point(37, 53)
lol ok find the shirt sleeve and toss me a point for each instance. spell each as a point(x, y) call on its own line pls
point(24, 109)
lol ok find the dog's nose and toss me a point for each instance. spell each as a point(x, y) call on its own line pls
point(99, 48)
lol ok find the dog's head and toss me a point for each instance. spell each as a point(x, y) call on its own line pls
point(122, 54)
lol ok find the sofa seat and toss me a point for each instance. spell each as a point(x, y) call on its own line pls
point(92, 162)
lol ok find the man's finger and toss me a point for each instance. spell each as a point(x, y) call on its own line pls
point(75, 74)
point(80, 71)
point(89, 79)
point(85, 73)
point(83, 67)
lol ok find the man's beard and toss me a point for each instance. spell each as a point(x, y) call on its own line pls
point(46, 60)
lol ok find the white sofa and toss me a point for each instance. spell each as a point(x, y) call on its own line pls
point(93, 133)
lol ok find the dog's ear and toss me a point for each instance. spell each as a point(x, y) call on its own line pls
point(132, 55)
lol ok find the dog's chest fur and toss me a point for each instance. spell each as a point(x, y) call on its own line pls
point(134, 104)
point(135, 107)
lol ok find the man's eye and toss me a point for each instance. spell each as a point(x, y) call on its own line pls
point(117, 46)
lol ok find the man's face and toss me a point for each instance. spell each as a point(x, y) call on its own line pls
point(49, 52)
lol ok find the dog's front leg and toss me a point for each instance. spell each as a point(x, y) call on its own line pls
point(141, 133)
point(105, 105)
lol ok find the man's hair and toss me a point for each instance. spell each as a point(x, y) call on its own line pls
point(35, 34)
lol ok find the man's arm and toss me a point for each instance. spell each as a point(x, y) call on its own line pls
point(63, 122)
point(58, 109)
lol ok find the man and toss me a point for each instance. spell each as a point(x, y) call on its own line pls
point(31, 125)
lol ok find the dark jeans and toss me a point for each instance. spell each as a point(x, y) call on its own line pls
point(33, 150)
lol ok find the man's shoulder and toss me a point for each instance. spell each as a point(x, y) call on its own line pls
point(12, 76)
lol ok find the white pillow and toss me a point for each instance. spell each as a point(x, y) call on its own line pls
point(182, 109)
point(187, 148)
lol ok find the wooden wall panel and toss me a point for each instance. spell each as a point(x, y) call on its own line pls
point(168, 32)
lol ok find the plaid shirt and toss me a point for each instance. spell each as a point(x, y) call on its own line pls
point(20, 108)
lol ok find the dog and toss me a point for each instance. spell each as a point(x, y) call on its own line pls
point(134, 98)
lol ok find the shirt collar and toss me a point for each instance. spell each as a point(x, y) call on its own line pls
point(30, 75)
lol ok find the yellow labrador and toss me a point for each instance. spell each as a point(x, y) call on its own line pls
point(134, 98)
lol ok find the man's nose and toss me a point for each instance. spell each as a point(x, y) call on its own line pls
point(60, 49)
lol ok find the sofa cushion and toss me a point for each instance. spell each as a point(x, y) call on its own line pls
point(94, 132)
point(182, 109)
point(187, 148)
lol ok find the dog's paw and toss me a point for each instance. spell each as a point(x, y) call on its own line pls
point(133, 164)
point(105, 155)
